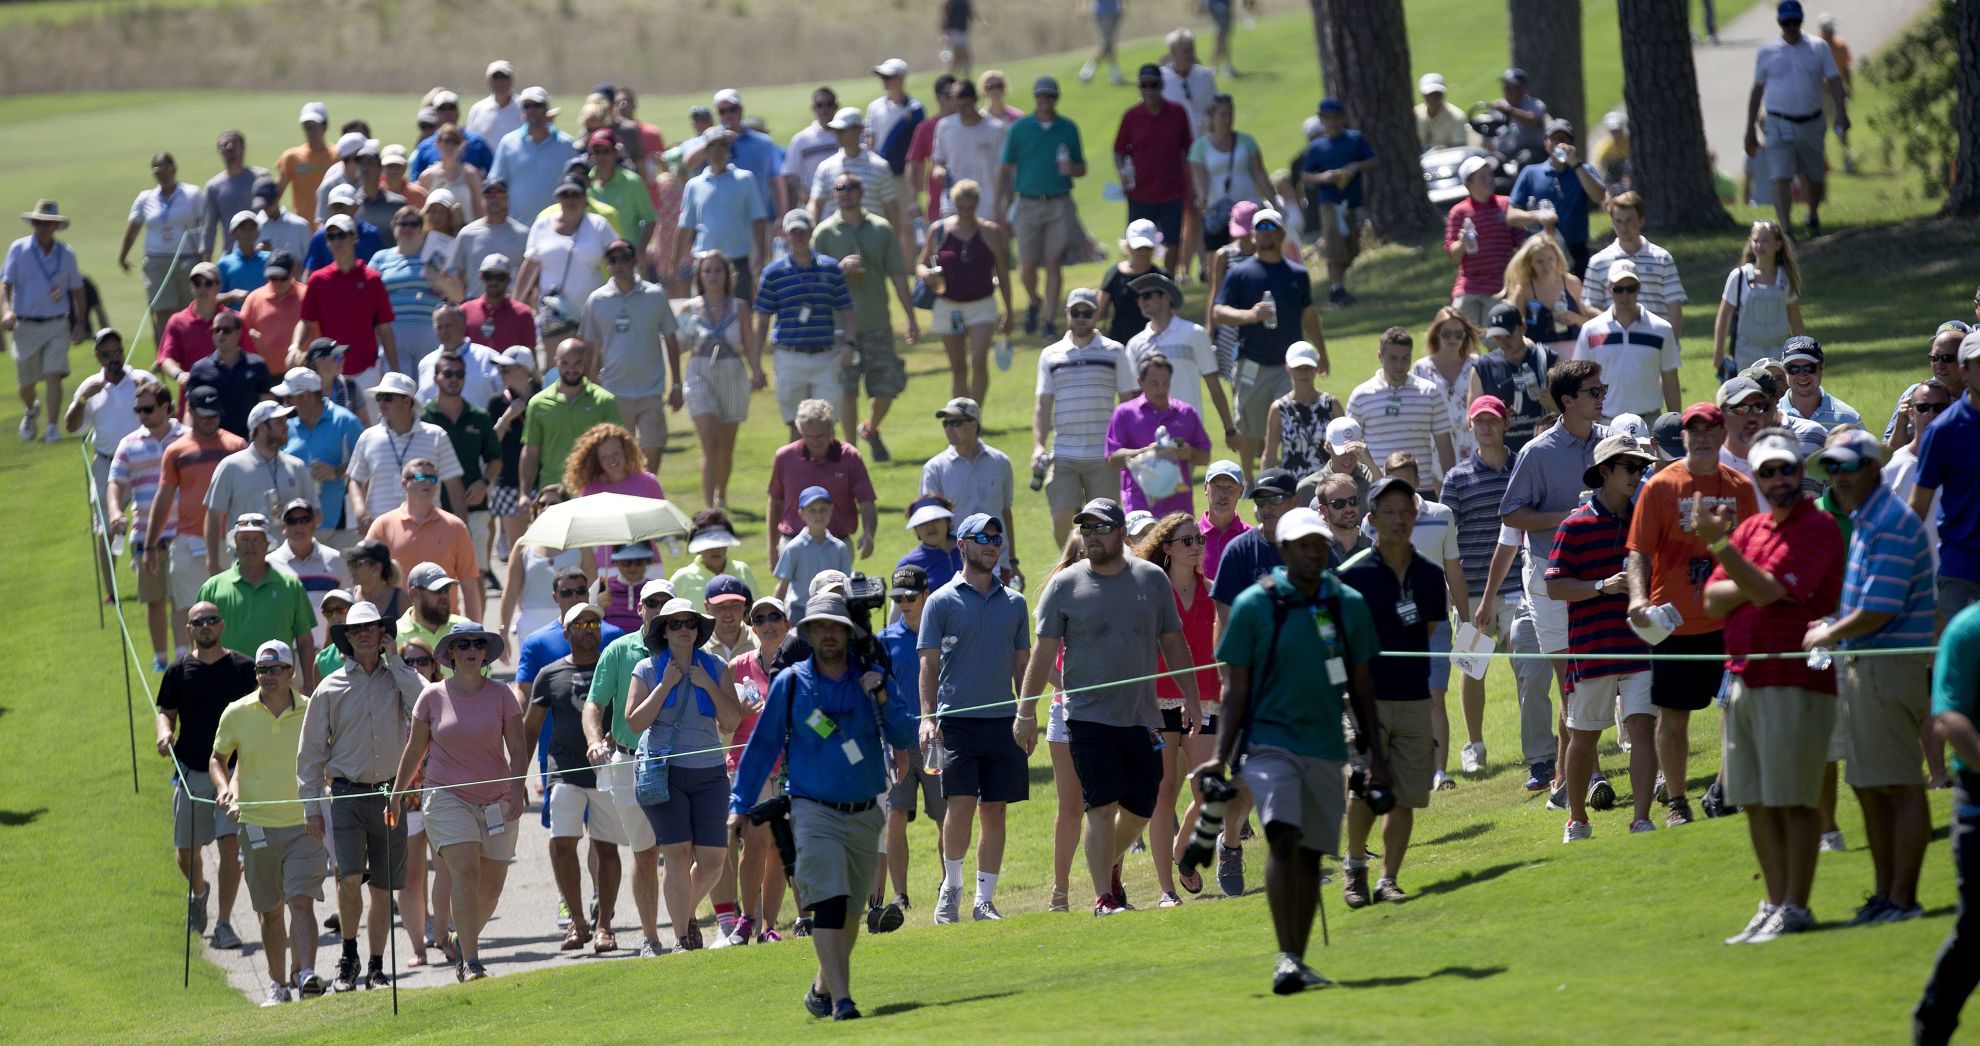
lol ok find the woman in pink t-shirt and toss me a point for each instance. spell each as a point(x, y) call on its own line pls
point(760, 875)
point(468, 732)
point(607, 460)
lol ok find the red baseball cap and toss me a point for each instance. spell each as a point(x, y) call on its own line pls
point(602, 137)
point(1487, 404)
point(1711, 414)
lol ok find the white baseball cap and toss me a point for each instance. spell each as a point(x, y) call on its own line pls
point(891, 67)
point(499, 66)
point(1431, 83)
point(343, 195)
point(1142, 233)
point(1302, 354)
point(314, 112)
point(1472, 165)
point(298, 379)
point(1312, 127)
point(351, 143)
point(1341, 432)
point(274, 652)
point(1299, 523)
point(658, 585)
point(727, 96)
point(243, 216)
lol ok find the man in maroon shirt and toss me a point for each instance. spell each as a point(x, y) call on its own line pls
point(1151, 151)
point(188, 335)
point(818, 458)
point(346, 301)
point(495, 319)
point(1778, 571)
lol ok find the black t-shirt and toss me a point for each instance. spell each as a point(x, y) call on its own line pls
point(511, 443)
point(199, 692)
point(1403, 610)
point(563, 688)
point(1125, 318)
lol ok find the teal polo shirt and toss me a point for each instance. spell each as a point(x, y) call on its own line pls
point(1033, 149)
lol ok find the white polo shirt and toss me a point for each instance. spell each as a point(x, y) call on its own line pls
point(1633, 360)
point(1188, 347)
point(1793, 74)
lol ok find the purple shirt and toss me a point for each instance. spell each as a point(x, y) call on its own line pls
point(1133, 425)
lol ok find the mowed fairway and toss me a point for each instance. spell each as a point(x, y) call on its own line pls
point(1509, 935)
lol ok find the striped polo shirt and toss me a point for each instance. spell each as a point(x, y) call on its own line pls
point(1829, 412)
point(1633, 360)
point(1889, 571)
point(1473, 490)
point(380, 457)
point(806, 300)
point(1590, 545)
point(1656, 270)
point(1406, 417)
point(1082, 381)
point(136, 463)
point(876, 181)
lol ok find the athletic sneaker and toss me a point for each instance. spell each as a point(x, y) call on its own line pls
point(374, 975)
point(196, 910)
point(802, 927)
point(874, 443)
point(986, 912)
point(1538, 775)
point(278, 993)
point(1169, 900)
point(1048, 332)
point(725, 924)
point(1557, 799)
point(1641, 825)
point(721, 940)
point(1105, 904)
point(845, 1011)
point(1354, 887)
point(892, 916)
point(1601, 794)
point(51, 435)
point(1678, 811)
point(347, 974)
point(1472, 757)
point(1760, 919)
point(28, 421)
point(1577, 831)
point(1832, 842)
point(817, 1003)
point(224, 936)
point(1230, 871)
point(1313, 978)
point(1787, 919)
point(1286, 979)
point(310, 984)
point(650, 948)
point(872, 918)
point(1873, 910)
point(1714, 804)
point(1443, 782)
point(744, 931)
point(948, 906)
point(1387, 890)
point(1661, 793)
point(1030, 319)
point(769, 937)
point(1086, 73)
point(688, 940)
point(1894, 914)
point(563, 914)
point(1120, 889)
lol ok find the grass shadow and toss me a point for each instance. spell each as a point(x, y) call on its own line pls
point(1470, 831)
point(1482, 875)
point(908, 1007)
point(18, 818)
point(1469, 973)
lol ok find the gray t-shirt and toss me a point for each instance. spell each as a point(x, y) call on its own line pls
point(379, 210)
point(977, 634)
point(689, 708)
point(246, 482)
point(1112, 626)
point(481, 238)
point(628, 327)
point(226, 195)
point(801, 558)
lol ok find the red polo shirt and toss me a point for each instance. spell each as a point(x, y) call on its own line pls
point(499, 326)
point(349, 306)
point(188, 338)
point(1805, 553)
point(1158, 143)
point(840, 471)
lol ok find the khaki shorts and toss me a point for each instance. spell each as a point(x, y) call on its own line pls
point(886, 375)
point(1592, 705)
point(196, 824)
point(41, 348)
point(804, 376)
point(1045, 227)
point(188, 569)
point(1306, 793)
point(280, 863)
point(1411, 748)
point(717, 386)
point(168, 287)
point(451, 821)
point(1336, 247)
point(153, 587)
point(1795, 148)
point(1885, 700)
point(576, 811)
point(1070, 484)
point(1776, 744)
point(1474, 307)
point(646, 416)
point(615, 781)
point(1253, 388)
point(836, 851)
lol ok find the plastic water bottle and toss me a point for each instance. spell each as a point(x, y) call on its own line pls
point(1561, 155)
point(117, 545)
point(1162, 436)
point(1127, 172)
point(1469, 234)
point(920, 230)
point(1271, 319)
point(1065, 159)
point(1004, 352)
point(933, 760)
point(1038, 472)
point(1821, 658)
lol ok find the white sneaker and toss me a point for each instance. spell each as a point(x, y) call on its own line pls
point(28, 421)
point(1641, 825)
point(1760, 919)
point(1472, 757)
point(1787, 919)
point(278, 993)
point(1443, 782)
point(948, 906)
point(1832, 842)
point(1086, 73)
point(1577, 831)
point(51, 436)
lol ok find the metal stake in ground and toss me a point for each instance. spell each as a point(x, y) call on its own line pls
point(185, 912)
point(130, 716)
point(392, 936)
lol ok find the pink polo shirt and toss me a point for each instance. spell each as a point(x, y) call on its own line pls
point(1214, 540)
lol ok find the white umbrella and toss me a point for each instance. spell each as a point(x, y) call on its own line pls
point(605, 519)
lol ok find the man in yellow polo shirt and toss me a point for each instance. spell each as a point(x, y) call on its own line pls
point(430, 615)
point(283, 860)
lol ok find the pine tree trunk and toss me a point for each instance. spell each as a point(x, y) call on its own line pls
point(1364, 61)
point(1546, 42)
point(1963, 196)
point(1669, 162)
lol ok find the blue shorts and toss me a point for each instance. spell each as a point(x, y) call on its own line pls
point(696, 810)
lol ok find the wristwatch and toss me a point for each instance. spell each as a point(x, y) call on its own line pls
point(1598, 585)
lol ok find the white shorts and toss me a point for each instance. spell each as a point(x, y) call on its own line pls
point(189, 569)
point(615, 779)
point(717, 386)
point(1594, 703)
point(576, 811)
point(804, 376)
point(979, 313)
point(1550, 616)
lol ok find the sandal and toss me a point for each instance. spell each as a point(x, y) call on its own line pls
point(604, 940)
point(1058, 902)
point(574, 938)
point(1190, 881)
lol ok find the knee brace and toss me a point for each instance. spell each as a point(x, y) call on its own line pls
point(829, 914)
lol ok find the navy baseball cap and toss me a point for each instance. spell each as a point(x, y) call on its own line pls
point(1789, 11)
point(724, 588)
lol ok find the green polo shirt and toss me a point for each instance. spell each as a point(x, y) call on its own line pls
point(627, 195)
point(275, 608)
point(553, 424)
point(1033, 149)
point(611, 679)
point(410, 628)
point(1956, 673)
point(880, 256)
point(475, 442)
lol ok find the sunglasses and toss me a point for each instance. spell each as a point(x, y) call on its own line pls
point(1097, 528)
point(1080, 314)
point(682, 624)
point(993, 540)
point(1269, 499)
point(369, 626)
point(1450, 334)
point(471, 644)
point(450, 373)
point(204, 281)
point(1922, 408)
point(1770, 471)
point(146, 408)
point(387, 397)
point(1748, 408)
point(956, 423)
point(1351, 501)
point(845, 188)
point(1802, 368)
point(1266, 227)
point(297, 521)
point(898, 600)
point(1597, 391)
point(336, 234)
point(1832, 466)
point(272, 670)
point(584, 626)
point(771, 617)
point(1187, 540)
point(570, 593)
point(1634, 468)
point(207, 621)
point(1628, 288)
point(422, 477)
point(653, 602)
point(1145, 295)
point(1943, 357)
point(417, 662)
